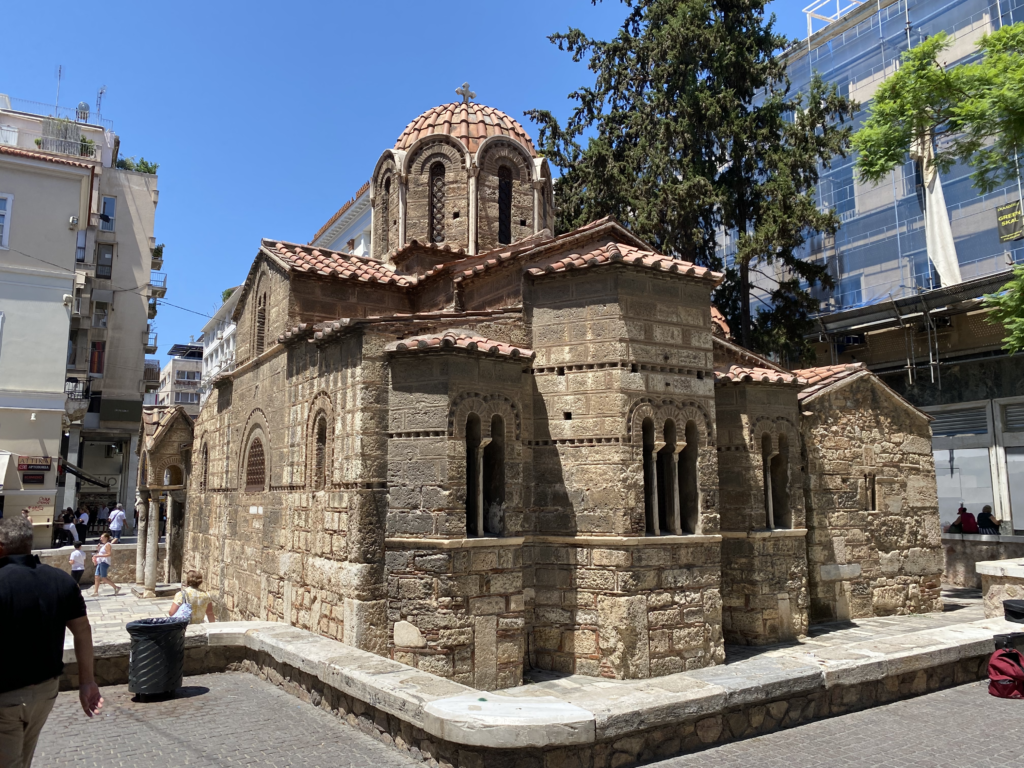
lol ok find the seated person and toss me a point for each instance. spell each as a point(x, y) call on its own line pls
point(987, 522)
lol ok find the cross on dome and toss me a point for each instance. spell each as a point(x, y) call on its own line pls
point(465, 93)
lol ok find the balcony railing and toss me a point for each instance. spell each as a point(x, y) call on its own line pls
point(158, 284)
point(149, 342)
point(152, 371)
point(39, 109)
point(76, 390)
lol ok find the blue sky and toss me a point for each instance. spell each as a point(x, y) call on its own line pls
point(266, 117)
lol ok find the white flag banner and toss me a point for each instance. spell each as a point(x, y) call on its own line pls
point(937, 231)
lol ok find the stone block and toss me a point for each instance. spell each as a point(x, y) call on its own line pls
point(408, 636)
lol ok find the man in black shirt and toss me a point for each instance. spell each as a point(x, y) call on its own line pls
point(37, 602)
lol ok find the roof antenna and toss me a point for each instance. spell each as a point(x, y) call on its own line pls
point(99, 98)
point(60, 74)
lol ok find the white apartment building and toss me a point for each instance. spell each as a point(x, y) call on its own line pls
point(219, 344)
point(181, 377)
point(348, 229)
point(78, 231)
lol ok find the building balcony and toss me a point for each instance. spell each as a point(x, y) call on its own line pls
point(152, 309)
point(149, 342)
point(157, 261)
point(76, 390)
point(152, 371)
point(158, 284)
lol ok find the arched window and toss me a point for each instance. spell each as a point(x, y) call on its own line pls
point(261, 323)
point(650, 479)
point(320, 455)
point(144, 471)
point(437, 172)
point(385, 217)
point(782, 515)
point(173, 476)
point(689, 493)
point(668, 499)
point(474, 495)
point(255, 467)
point(494, 477)
point(504, 205)
point(204, 470)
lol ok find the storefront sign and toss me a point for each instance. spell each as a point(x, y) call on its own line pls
point(33, 463)
point(33, 479)
point(1011, 223)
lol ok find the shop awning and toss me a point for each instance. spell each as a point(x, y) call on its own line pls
point(5, 459)
point(79, 472)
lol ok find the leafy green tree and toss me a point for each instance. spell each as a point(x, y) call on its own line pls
point(970, 113)
point(692, 130)
point(141, 165)
point(226, 294)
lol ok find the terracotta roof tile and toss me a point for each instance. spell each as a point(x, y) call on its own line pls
point(470, 123)
point(739, 374)
point(822, 376)
point(460, 340)
point(15, 152)
point(346, 266)
point(625, 254)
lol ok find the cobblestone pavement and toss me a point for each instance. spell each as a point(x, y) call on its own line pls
point(229, 719)
point(957, 728)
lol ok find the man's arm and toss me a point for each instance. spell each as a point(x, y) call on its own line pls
point(88, 691)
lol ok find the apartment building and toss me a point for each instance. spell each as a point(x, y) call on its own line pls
point(101, 245)
point(180, 379)
point(219, 344)
point(927, 337)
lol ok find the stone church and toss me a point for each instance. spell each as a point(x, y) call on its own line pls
point(489, 447)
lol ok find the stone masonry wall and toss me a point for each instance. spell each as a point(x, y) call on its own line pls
point(870, 553)
point(625, 609)
point(508, 154)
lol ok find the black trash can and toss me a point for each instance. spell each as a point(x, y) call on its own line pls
point(1013, 610)
point(156, 661)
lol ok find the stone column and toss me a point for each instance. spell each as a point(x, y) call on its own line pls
point(402, 186)
point(474, 172)
point(484, 442)
point(676, 522)
point(132, 478)
point(152, 545)
point(142, 505)
point(71, 481)
point(175, 538)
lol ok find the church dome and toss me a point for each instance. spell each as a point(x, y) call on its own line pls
point(470, 123)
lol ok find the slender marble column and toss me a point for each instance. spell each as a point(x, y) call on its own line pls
point(152, 546)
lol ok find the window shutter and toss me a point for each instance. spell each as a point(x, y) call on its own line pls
point(1013, 417)
point(967, 421)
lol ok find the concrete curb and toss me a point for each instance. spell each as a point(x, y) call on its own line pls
point(595, 710)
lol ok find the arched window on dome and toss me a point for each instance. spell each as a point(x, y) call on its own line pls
point(504, 205)
point(437, 180)
point(385, 217)
point(261, 323)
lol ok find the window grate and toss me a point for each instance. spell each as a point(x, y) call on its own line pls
point(504, 205)
point(255, 467)
point(1013, 417)
point(967, 421)
point(437, 203)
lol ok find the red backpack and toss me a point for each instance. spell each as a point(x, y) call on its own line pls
point(968, 523)
point(1006, 674)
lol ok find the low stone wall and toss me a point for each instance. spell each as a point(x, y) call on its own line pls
point(1000, 580)
point(963, 551)
point(122, 562)
point(443, 723)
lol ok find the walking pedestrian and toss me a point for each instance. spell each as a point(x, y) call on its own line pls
point(102, 562)
point(37, 604)
point(103, 516)
point(83, 523)
point(77, 561)
point(116, 523)
point(68, 517)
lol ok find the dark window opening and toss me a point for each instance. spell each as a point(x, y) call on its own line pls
point(385, 217)
point(689, 492)
point(561, 371)
point(667, 484)
point(522, 222)
point(504, 205)
point(437, 194)
point(97, 357)
point(261, 324)
point(473, 495)
point(567, 415)
point(320, 455)
point(455, 215)
point(104, 261)
point(650, 479)
point(494, 477)
point(634, 368)
point(255, 467)
point(776, 483)
point(205, 472)
point(872, 499)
